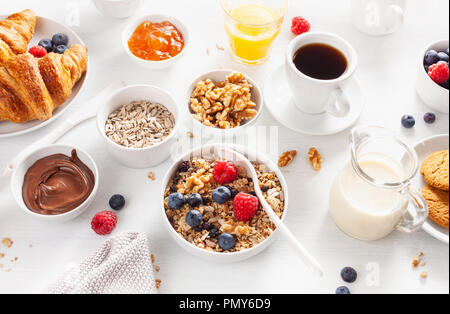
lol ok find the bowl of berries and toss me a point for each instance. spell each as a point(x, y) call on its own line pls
point(210, 207)
point(433, 76)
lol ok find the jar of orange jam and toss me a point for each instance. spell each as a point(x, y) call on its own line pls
point(156, 41)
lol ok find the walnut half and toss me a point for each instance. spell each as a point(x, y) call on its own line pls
point(286, 158)
point(315, 159)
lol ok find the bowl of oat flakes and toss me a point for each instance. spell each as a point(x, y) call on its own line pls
point(139, 124)
point(210, 208)
point(223, 102)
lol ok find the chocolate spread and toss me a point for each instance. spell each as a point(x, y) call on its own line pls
point(57, 184)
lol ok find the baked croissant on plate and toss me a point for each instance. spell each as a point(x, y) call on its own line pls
point(32, 88)
point(16, 32)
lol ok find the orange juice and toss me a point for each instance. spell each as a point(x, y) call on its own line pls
point(251, 29)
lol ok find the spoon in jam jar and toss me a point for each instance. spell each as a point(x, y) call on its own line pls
point(239, 159)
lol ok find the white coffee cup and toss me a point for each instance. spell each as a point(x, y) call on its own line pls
point(378, 17)
point(314, 96)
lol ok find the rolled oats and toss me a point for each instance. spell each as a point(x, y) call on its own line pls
point(225, 104)
point(139, 124)
point(199, 179)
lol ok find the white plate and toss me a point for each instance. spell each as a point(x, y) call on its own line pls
point(424, 148)
point(279, 101)
point(45, 28)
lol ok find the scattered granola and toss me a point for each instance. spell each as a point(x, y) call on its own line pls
point(7, 242)
point(151, 176)
point(157, 268)
point(139, 124)
point(424, 275)
point(223, 105)
point(153, 258)
point(416, 261)
point(286, 158)
point(158, 283)
point(219, 47)
point(315, 159)
point(2, 255)
point(423, 264)
point(196, 176)
point(190, 134)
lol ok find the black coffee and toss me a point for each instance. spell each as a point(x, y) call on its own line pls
point(320, 61)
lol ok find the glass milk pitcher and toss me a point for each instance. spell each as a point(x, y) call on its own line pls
point(371, 196)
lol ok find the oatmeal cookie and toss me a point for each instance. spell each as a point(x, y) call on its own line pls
point(435, 170)
point(437, 201)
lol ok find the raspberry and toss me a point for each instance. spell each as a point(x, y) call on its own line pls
point(300, 25)
point(439, 72)
point(104, 222)
point(245, 206)
point(225, 172)
point(38, 51)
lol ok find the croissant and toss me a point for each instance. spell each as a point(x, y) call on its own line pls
point(16, 32)
point(32, 88)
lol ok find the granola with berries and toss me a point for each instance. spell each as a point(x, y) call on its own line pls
point(223, 105)
point(212, 204)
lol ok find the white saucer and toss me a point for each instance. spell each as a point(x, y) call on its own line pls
point(45, 28)
point(279, 101)
point(424, 148)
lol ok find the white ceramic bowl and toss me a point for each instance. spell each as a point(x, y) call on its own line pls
point(216, 257)
point(138, 157)
point(219, 76)
point(118, 9)
point(432, 94)
point(157, 18)
point(21, 169)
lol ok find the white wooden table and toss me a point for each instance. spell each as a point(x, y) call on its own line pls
point(387, 71)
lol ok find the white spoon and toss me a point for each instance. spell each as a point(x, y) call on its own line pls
point(308, 259)
point(89, 110)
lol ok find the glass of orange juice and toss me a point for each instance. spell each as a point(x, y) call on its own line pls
point(252, 26)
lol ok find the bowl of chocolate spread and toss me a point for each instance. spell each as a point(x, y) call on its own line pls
point(55, 182)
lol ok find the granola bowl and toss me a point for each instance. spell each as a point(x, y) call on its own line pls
point(192, 173)
point(223, 102)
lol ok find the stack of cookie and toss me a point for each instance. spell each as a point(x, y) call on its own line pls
point(435, 172)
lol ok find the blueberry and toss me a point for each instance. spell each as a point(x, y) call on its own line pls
point(60, 40)
point(195, 200)
point(447, 52)
point(214, 232)
point(221, 195)
point(117, 202)
point(47, 44)
point(431, 57)
point(183, 167)
point(408, 121)
point(443, 57)
point(194, 218)
point(264, 188)
point(342, 290)
point(445, 85)
point(60, 49)
point(226, 241)
point(176, 201)
point(429, 117)
point(349, 275)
